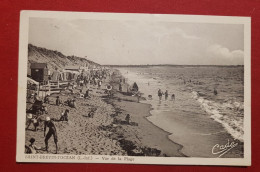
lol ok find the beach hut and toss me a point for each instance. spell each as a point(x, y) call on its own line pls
point(39, 72)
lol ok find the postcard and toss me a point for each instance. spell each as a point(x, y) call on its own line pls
point(134, 89)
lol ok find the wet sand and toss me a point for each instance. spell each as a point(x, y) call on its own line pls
point(107, 133)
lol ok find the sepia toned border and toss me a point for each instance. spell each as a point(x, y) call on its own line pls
point(60, 158)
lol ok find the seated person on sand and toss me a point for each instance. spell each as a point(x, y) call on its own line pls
point(135, 87)
point(91, 113)
point(35, 97)
point(68, 101)
point(86, 95)
point(80, 94)
point(73, 104)
point(31, 120)
point(64, 115)
point(58, 101)
point(32, 148)
point(47, 99)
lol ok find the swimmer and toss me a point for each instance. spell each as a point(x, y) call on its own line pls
point(215, 92)
point(160, 93)
point(173, 96)
point(166, 94)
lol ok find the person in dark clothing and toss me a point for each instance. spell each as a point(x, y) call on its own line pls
point(127, 119)
point(160, 93)
point(52, 131)
point(86, 95)
point(215, 92)
point(64, 116)
point(46, 99)
point(120, 87)
point(173, 96)
point(73, 104)
point(166, 94)
point(135, 87)
point(58, 101)
point(32, 120)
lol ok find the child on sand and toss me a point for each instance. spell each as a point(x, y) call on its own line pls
point(64, 115)
point(33, 120)
point(73, 104)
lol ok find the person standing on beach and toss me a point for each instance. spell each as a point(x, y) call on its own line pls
point(160, 94)
point(58, 101)
point(127, 118)
point(166, 94)
point(52, 131)
point(99, 83)
point(120, 87)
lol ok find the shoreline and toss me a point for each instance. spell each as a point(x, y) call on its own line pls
point(160, 139)
point(167, 146)
point(223, 137)
point(107, 132)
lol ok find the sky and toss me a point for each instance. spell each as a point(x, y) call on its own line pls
point(132, 42)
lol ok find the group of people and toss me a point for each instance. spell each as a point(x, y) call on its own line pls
point(95, 77)
point(166, 94)
point(32, 148)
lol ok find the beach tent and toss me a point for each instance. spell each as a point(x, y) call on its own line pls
point(55, 76)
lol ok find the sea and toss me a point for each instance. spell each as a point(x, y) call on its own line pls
point(198, 119)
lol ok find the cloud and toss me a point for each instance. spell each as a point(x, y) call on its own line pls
point(235, 57)
point(184, 34)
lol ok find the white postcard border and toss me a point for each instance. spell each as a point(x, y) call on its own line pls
point(61, 158)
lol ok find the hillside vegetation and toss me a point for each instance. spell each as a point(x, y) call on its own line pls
point(54, 59)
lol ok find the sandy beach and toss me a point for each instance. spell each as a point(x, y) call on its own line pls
point(107, 133)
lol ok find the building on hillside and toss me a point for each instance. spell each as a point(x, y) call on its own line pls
point(76, 68)
point(72, 68)
point(39, 72)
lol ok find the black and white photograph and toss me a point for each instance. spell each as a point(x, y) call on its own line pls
point(134, 88)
